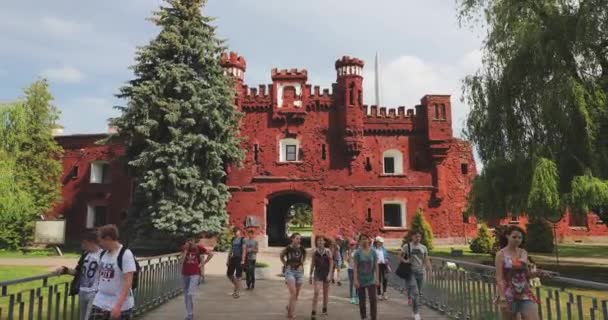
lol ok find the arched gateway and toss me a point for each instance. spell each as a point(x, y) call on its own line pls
point(278, 206)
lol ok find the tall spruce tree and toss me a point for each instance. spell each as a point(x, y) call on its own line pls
point(180, 124)
point(539, 106)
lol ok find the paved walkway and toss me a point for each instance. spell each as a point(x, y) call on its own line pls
point(268, 301)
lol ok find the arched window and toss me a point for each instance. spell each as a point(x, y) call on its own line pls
point(289, 149)
point(393, 162)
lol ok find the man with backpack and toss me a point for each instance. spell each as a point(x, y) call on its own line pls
point(117, 278)
point(86, 274)
point(236, 261)
point(192, 263)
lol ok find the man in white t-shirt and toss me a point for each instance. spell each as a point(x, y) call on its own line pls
point(86, 273)
point(114, 299)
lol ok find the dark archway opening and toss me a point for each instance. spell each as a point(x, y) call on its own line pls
point(278, 217)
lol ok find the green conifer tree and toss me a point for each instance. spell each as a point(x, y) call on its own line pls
point(180, 125)
point(419, 223)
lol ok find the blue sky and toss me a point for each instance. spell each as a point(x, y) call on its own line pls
point(85, 48)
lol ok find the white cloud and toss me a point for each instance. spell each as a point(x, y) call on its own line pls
point(66, 74)
point(406, 79)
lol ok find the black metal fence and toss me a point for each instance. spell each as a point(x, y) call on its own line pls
point(463, 290)
point(46, 297)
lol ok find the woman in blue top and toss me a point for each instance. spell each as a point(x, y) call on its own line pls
point(365, 271)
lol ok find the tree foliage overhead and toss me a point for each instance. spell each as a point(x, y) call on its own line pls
point(300, 214)
point(542, 93)
point(180, 124)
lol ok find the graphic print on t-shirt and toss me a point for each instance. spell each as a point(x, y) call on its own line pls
point(89, 272)
point(107, 272)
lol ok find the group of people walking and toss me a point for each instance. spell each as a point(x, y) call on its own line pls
point(107, 273)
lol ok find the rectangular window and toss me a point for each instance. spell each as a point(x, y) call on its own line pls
point(100, 172)
point(96, 216)
point(291, 152)
point(389, 165)
point(74, 173)
point(323, 156)
point(393, 215)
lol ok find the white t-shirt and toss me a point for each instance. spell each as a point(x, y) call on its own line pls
point(380, 255)
point(111, 280)
point(89, 274)
point(419, 254)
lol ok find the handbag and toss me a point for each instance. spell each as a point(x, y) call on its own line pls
point(404, 270)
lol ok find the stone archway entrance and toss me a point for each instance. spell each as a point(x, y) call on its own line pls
point(278, 212)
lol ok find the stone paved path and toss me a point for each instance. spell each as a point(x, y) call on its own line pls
point(268, 301)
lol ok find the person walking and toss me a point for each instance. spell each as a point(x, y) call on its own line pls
point(350, 253)
point(192, 263)
point(320, 276)
point(293, 257)
point(418, 257)
point(513, 275)
point(365, 271)
point(86, 274)
point(236, 261)
point(114, 298)
point(252, 250)
point(336, 251)
point(384, 267)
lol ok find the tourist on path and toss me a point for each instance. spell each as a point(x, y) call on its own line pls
point(86, 273)
point(252, 250)
point(192, 263)
point(236, 261)
point(336, 251)
point(320, 276)
point(418, 256)
point(513, 278)
point(383, 266)
point(114, 298)
point(293, 257)
point(365, 270)
point(350, 253)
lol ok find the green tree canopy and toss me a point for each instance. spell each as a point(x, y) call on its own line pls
point(180, 124)
point(541, 94)
point(300, 214)
point(419, 223)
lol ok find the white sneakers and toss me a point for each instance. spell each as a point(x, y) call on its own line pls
point(417, 316)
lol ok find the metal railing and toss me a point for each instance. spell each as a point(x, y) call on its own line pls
point(46, 297)
point(464, 290)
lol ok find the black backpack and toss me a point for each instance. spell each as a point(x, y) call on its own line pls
point(75, 284)
point(121, 253)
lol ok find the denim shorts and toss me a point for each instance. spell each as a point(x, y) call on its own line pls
point(294, 276)
point(520, 306)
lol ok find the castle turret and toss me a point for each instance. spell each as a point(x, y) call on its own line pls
point(234, 66)
point(349, 100)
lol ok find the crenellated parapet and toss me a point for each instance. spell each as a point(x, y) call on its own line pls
point(257, 98)
point(289, 74)
point(349, 66)
point(234, 65)
point(389, 120)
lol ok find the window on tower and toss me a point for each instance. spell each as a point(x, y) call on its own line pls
point(393, 162)
point(96, 216)
point(100, 172)
point(351, 94)
point(289, 150)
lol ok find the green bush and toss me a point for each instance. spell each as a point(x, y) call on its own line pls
point(484, 242)
point(420, 223)
point(539, 236)
point(16, 231)
point(260, 264)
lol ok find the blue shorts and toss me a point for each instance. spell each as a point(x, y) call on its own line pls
point(521, 306)
point(294, 276)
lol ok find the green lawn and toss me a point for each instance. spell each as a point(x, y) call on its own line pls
point(59, 285)
point(36, 254)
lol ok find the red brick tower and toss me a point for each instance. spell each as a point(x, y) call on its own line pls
point(349, 101)
point(235, 66)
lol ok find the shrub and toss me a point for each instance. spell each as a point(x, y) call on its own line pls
point(539, 236)
point(419, 223)
point(260, 264)
point(484, 242)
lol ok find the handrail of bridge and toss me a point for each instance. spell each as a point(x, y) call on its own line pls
point(466, 290)
point(47, 296)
